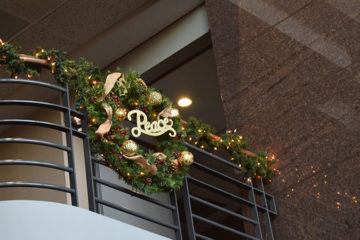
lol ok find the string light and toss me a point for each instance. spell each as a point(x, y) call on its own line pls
point(142, 174)
point(199, 130)
point(128, 174)
point(37, 55)
point(93, 120)
point(232, 158)
point(202, 146)
point(215, 148)
point(1, 42)
point(29, 75)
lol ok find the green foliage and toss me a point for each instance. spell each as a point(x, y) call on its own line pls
point(86, 81)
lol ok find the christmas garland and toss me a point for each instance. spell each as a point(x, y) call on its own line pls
point(144, 170)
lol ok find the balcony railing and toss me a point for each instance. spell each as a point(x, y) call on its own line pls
point(216, 202)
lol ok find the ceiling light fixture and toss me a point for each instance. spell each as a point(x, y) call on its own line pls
point(184, 102)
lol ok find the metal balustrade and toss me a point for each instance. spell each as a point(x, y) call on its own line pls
point(251, 208)
point(264, 207)
point(66, 129)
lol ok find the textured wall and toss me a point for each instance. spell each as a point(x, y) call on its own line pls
point(289, 72)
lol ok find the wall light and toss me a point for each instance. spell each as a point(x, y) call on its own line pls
point(184, 102)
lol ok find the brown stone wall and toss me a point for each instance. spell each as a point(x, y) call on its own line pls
point(289, 72)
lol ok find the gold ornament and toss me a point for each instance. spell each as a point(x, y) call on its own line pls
point(120, 113)
point(186, 158)
point(155, 98)
point(142, 83)
point(129, 148)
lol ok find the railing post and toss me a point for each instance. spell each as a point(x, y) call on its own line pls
point(176, 217)
point(267, 220)
point(254, 211)
point(69, 143)
point(188, 210)
point(88, 165)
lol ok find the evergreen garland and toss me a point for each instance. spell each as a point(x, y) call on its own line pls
point(86, 81)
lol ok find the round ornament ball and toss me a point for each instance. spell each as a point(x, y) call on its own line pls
point(120, 113)
point(129, 148)
point(186, 158)
point(155, 98)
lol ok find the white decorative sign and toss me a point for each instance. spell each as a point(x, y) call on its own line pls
point(155, 128)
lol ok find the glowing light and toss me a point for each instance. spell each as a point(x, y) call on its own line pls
point(184, 102)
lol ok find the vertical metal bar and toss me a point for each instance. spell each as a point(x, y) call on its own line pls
point(69, 143)
point(267, 220)
point(254, 212)
point(176, 216)
point(188, 210)
point(88, 164)
point(98, 190)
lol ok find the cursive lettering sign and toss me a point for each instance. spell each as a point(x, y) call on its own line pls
point(155, 128)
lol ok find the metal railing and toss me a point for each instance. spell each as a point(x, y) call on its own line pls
point(67, 129)
point(211, 198)
point(99, 201)
point(254, 200)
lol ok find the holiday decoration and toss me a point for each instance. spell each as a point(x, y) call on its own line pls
point(155, 128)
point(129, 148)
point(186, 158)
point(155, 98)
point(105, 127)
point(169, 112)
point(140, 160)
point(120, 113)
point(107, 99)
point(142, 83)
